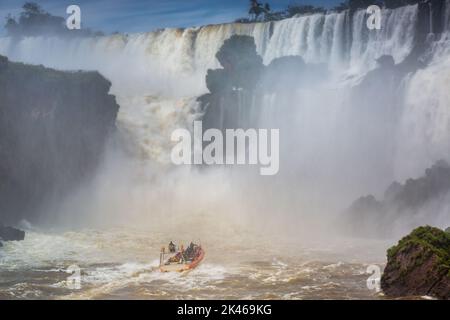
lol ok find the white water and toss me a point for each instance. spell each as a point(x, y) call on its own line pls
point(123, 263)
point(425, 128)
point(395, 37)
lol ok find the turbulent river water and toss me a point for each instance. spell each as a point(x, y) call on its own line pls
point(122, 263)
point(156, 77)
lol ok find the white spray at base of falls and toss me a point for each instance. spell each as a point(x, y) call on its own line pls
point(157, 76)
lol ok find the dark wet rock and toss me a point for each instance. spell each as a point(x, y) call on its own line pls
point(243, 80)
point(416, 192)
point(3, 63)
point(369, 216)
point(242, 66)
point(54, 126)
point(386, 61)
point(284, 70)
point(11, 234)
point(283, 75)
point(365, 211)
point(233, 86)
point(386, 75)
point(393, 191)
point(430, 19)
point(419, 265)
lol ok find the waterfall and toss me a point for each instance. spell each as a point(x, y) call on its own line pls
point(395, 38)
point(156, 76)
point(424, 129)
point(178, 56)
point(431, 31)
point(333, 147)
point(447, 16)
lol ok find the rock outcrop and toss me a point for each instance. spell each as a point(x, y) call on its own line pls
point(232, 87)
point(11, 234)
point(244, 80)
point(419, 265)
point(369, 216)
point(53, 129)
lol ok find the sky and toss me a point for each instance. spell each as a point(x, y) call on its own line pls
point(130, 16)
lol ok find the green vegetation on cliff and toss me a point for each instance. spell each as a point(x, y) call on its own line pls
point(35, 21)
point(419, 265)
point(433, 239)
point(260, 12)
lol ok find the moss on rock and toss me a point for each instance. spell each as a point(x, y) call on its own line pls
point(419, 265)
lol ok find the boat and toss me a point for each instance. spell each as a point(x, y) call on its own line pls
point(181, 260)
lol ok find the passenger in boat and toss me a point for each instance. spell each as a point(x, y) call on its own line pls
point(190, 252)
point(175, 259)
point(172, 247)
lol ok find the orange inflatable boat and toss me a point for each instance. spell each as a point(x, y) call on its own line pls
point(182, 260)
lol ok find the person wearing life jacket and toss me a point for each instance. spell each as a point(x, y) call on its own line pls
point(190, 252)
point(172, 247)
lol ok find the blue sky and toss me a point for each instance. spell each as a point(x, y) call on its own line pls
point(146, 15)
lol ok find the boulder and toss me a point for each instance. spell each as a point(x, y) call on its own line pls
point(11, 234)
point(232, 87)
point(419, 265)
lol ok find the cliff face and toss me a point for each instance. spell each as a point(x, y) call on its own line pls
point(369, 216)
point(53, 128)
point(419, 265)
point(243, 81)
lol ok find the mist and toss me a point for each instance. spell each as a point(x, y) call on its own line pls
point(341, 137)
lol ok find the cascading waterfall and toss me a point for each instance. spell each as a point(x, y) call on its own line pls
point(190, 52)
point(157, 76)
point(447, 16)
point(424, 129)
point(153, 73)
point(395, 38)
point(317, 38)
point(326, 161)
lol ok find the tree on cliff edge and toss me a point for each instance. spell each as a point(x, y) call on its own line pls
point(354, 5)
point(257, 9)
point(32, 21)
point(35, 21)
